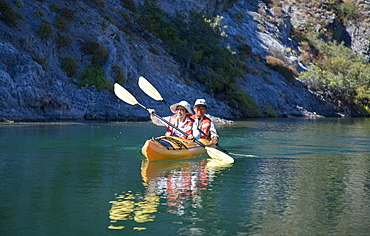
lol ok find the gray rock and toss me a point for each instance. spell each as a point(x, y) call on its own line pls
point(33, 87)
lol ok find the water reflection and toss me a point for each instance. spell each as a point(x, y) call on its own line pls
point(174, 185)
point(130, 206)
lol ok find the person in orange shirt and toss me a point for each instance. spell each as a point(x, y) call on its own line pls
point(203, 127)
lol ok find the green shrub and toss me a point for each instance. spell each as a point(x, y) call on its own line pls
point(67, 14)
point(18, 3)
point(55, 8)
point(94, 76)
point(271, 112)
point(244, 103)
point(89, 46)
point(157, 21)
point(338, 74)
point(63, 40)
point(153, 50)
point(278, 65)
point(127, 17)
point(245, 49)
point(100, 56)
point(118, 74)
point(39, 13)
point(45, 30)
point(69, 66)
point(195, 43)
point(63, 19)
point(8, 15)
point(129, 5)
point(239, 15)
point(345, 11)
point(98, 3)
point(40, 60)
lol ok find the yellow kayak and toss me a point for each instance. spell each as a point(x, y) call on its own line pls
point(172, 148)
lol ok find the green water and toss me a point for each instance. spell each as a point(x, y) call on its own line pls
point(302, 177)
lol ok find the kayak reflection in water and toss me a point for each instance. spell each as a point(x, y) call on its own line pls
point(180, 120)
point(178, 183)
point(181, 183)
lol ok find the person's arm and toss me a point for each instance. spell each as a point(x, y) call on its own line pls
point(157, 121)
point(196, 132)
point(213, 133)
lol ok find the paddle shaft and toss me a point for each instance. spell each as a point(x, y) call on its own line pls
point(218, 145)
point(166, 102)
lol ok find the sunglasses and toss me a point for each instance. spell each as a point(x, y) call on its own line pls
point(180, 109)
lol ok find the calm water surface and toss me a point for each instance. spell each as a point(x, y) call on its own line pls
point(296, 177)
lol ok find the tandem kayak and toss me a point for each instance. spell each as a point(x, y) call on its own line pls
point(172, 148)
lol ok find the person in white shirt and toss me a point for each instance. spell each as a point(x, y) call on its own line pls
point(180, 120)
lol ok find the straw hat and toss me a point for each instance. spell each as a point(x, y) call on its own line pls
point(184, 104)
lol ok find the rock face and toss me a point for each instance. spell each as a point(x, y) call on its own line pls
point(33, 86)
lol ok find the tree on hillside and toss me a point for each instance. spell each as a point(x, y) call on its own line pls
point(338, 74)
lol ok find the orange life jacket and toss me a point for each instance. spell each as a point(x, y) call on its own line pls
point(187, 129)
point(205, 126)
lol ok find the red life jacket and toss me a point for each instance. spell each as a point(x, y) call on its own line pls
point(205, 126)
point(187, 129)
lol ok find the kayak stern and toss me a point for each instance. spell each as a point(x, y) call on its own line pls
point(172, 148)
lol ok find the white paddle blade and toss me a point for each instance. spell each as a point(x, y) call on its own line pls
point(214, 153)
point(216, 165)
point(124, 95)
point(149, 89)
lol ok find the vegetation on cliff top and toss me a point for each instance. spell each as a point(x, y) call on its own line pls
point(335, 73)
point(196, 44)
point(338, 74)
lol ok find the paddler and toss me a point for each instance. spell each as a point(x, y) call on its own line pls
point(181, 120)
point(203, 127)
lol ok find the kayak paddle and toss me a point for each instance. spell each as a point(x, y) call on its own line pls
point(149, 89)
point(127, 97)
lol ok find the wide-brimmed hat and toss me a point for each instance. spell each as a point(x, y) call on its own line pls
point(184, 104)
point(200, 102)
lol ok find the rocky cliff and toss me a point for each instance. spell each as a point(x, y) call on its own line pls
point(37, 38)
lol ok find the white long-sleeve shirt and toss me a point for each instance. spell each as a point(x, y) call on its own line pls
point(180, 125)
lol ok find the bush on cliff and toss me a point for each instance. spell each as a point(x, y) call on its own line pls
point(278, 65)
point(8, 15)
point(69, 66)
point(94, 76)
point(338, 74)
point(118, 74)
point(195, 43)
